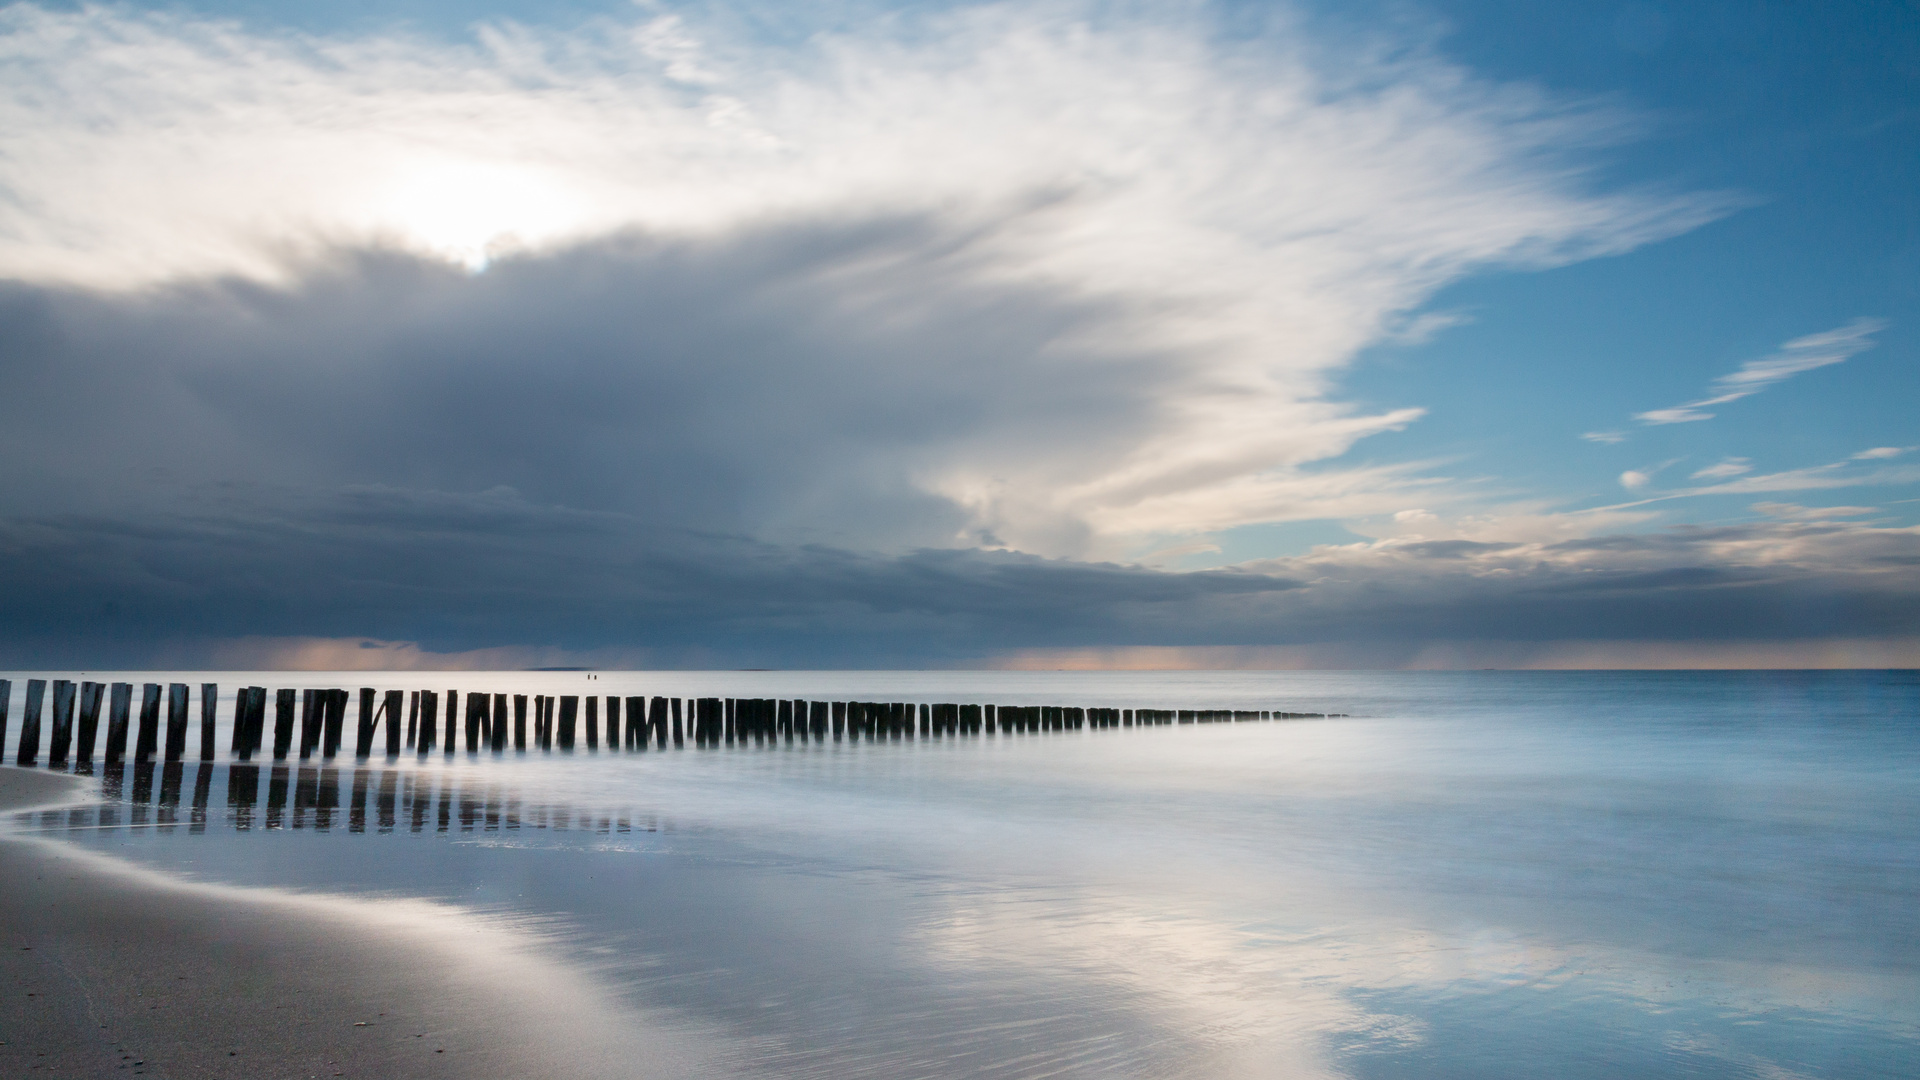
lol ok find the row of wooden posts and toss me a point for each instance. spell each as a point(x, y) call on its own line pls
point(490, 719)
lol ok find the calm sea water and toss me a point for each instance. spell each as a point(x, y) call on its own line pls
point(1473, 875)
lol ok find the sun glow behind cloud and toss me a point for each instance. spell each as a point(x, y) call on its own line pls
point(1247, 216)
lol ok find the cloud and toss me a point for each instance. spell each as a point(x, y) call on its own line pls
point(496, 580)
point(1607, 438)
point(1880, 452)
point(1634, 480)
point(1800, 354)
point(893, 345)
point(964, 278)
point(1793, 511)
point(1733, 466)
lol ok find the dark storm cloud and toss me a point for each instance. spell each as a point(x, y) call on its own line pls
point(707, 453)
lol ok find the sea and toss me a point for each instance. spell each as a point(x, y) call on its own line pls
point(1449, 874)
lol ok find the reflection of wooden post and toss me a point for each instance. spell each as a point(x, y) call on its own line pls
point(147, 740)
point(62, 740)
point(176, 721)
point(28, 752)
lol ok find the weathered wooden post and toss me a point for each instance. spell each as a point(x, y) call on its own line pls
point(242, 746)
point(309, 722)
point(413, 717)
point(640, 725)
point(478, 705)
point(520, 722)
point(613, 723)
point(283, 703)
point(453, 722)
point(209, 708)
point(6, 702)
point(499, 723)
point(540, 721)
point(176, 721)
point(390, 706)
point(62, 727)
point(675, 708)
point(429, 721)
point(28, 752)
point(147, 740)
point(334, 723)
point(569, 721)
point(593, 721)
point(363, 731)
point(88, 732)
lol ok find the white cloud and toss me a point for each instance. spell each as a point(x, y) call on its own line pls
point(1800, 354)
point(1634, 480)
point(1237, 218)
point(1733, 466)
point(1879, 452)
point(1605, 437)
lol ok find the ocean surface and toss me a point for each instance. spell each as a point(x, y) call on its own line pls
point(1473, 874)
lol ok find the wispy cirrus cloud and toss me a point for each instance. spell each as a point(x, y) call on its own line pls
point(1800, 354)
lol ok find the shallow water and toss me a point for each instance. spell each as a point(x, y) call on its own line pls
point(1474, 874)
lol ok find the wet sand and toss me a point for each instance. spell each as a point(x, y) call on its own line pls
point(111, 970)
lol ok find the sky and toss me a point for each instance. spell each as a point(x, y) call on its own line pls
point(1451, 333)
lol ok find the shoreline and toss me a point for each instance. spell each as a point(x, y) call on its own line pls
point(111, 967)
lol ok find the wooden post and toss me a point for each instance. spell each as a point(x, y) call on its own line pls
point(62, 727)
point(209, 709)
point(283, 702)
point(176, 721)
point(520, 722)
point(613, 722)
point(241, 745)
point(368, 720)
point(6, 702)
point(569, 720)
point(28, 752)
point(499, 723)
point(593, 721)
point(640, 725)
point(453, 722)
point(390, 707)
point(147, 740)
point(478, 705)
point(429, 721)
point(413, 717)
point(118, 711)
point(309, 722)
point(89, 731)
point(334, 722)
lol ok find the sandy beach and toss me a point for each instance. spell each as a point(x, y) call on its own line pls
point(112, 969)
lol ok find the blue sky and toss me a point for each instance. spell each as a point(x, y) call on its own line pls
point(1385, 334)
